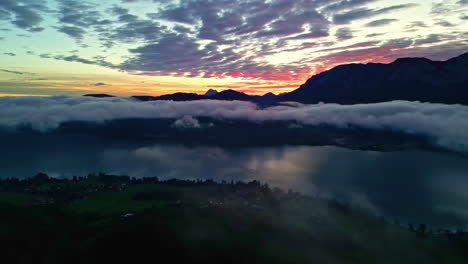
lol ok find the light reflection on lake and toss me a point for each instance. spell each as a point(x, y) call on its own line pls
point(412, 186)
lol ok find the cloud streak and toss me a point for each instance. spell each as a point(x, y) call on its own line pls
point(16, 72)
point(445, 124)
point(361, 13)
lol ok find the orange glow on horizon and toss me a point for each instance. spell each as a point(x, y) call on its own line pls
point(16, 95)
point(160, 85)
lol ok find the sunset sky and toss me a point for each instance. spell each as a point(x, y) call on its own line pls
point(138, 47)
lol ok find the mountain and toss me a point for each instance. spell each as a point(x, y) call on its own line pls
point(145, 97)
point(99, 95)
point(181, 97)
point(230, 95)
point(265, 100)
point(211, 92)
point(269, 95)
point(412, 79)
point(172, 97)
point(226, 95)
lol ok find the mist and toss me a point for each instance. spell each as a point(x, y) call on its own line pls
point(444, 125)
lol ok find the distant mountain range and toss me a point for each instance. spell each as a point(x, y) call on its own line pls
point(411, 79)
point(99, 95)
point(226, 95)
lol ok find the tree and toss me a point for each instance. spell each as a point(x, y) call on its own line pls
point(40, 178)
point(422, 228)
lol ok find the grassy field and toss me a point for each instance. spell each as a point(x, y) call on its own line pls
point(18, 199)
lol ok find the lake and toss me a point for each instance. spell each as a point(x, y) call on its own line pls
point(411, 186)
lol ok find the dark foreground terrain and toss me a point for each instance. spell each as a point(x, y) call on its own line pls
point(107, 219)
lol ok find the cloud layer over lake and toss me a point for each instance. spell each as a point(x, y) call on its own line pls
point(445, 124)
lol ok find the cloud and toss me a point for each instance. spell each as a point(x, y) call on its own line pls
point(388, 51)
point(100, 84)
point(444, 23)
point(445, 124)
point(372, 35)
point(130, 28)
point(245, 39)
point(74, 32)
point(9, 54)
point(380, 22)
point(434, 38)
point(196, 60)
point(77, 17)
point(294, 24)
point(239, 31)
point(98, 60)
point(447, 8)
point(344, 33)
point(440, 8)
point(346, 4)
point(23, 14)
point(361, 13)
point(187, 122)
point(417, 24)
point(16, 72)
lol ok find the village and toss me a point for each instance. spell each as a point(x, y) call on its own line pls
point(52, 191)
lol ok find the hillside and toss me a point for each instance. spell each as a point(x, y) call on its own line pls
point(104, 218)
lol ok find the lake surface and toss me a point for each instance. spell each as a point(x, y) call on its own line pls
point(412, 186)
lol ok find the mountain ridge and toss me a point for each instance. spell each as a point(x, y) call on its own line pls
point(410, 79)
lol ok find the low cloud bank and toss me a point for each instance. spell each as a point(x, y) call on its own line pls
point(446, 124)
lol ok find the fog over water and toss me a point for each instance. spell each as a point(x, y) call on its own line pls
point(413, 186)
point(68, 136)
point(444, 125)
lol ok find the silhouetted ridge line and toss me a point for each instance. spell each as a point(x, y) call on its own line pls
point(411, 79)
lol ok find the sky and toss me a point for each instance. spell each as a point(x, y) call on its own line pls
point(154, 47)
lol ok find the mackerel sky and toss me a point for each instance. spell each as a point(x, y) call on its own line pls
point(135, 47)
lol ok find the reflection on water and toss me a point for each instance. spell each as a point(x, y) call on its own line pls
point(411, 186)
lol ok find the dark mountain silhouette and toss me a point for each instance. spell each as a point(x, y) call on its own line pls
point(412, 79)
point(269, 95)
point(172, 97)
point(181, 97)
point(145, 97)
point(231, 95)
point(99, 95)
point(265, 100)
point(227, 95)
point(211, 92)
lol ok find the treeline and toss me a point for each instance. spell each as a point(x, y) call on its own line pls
point(42, 178)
